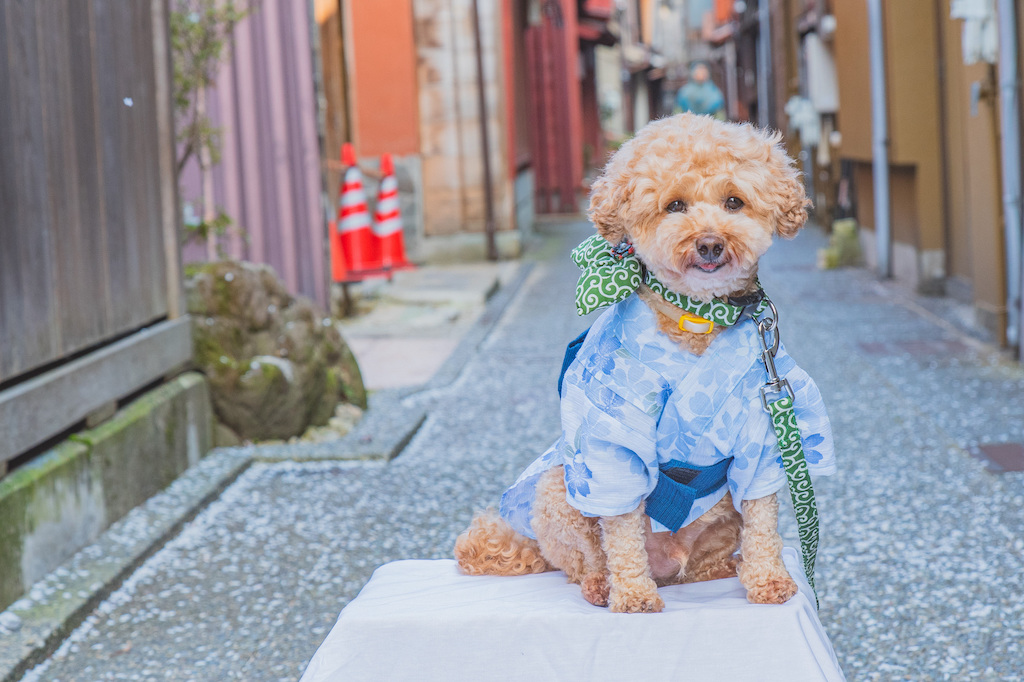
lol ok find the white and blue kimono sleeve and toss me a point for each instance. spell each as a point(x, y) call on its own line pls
point(609, 445)
point(610, 404)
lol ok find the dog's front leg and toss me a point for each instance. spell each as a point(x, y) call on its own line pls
point(761, 570)
point(632, 588)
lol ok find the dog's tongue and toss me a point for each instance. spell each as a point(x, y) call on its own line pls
point(708, 267)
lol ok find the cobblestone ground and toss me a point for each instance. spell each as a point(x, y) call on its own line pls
point(921, 563)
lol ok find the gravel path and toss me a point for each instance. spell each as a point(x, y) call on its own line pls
point(920, 570)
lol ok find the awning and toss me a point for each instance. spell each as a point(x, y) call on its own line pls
point(599, 9)
point(595, 31)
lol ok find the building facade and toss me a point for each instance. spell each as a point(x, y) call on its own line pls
point(413, 74)
point(937, 143)
point(948, 228)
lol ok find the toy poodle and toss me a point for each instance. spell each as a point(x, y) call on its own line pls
point(667, 467)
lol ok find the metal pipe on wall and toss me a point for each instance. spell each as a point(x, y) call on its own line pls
point(764, 62)
point(731, 86)
point(485, 144)
point(880, 138)
point(1010, 122)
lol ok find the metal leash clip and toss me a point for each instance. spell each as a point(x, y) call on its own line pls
point(766, 326)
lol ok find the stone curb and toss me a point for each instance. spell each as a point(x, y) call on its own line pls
point(59, 603)
point(381, 434)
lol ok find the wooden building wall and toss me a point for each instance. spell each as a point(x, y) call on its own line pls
point(82, 127)
point(449, 116)
point(89, 252)
point(944, 163)
point(976, 263)
point(334, 91)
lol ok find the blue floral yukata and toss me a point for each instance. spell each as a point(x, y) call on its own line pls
point(632, 399)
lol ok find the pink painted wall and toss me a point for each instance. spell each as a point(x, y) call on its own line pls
point(572, 57)
point(268, 179)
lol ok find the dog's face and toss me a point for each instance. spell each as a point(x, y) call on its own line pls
point(700, 200)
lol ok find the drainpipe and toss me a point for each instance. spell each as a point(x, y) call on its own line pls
point(1009, 113)
point(731, 86)
point(764, 65)
point(485, 144)
point(880, 138)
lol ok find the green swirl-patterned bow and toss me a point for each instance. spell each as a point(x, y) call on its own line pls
point(609, 277)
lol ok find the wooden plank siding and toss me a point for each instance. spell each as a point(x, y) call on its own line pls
point(33, 328)
point(335, 94)
point(85, 223)
point(33, 410)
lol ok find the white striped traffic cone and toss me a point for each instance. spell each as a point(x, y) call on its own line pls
point(388, 218)
point(359, 244)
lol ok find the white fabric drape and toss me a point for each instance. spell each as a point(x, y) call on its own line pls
point(423, 620)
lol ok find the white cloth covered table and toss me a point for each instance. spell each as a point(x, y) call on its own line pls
point(423, 620)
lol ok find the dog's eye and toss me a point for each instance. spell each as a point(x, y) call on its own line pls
point(734, 203)
point(676, 206)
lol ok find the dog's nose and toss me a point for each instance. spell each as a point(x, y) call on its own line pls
point(710, 248)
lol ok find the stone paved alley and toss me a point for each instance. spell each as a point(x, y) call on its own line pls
point(922, 561)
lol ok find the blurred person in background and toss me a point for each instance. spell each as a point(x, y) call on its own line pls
point(700, 95)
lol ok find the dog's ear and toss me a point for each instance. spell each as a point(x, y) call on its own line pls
point(792, 207)
point(790, 200)
point(608, 196)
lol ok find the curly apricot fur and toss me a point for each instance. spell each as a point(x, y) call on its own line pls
point(492, 547)
point(761, 571)
point(702, 162)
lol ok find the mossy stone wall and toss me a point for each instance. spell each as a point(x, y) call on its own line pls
point(63, 500)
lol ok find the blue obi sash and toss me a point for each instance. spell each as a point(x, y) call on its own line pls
point(679, 486)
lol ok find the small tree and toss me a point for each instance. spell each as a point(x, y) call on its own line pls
point(200, 30)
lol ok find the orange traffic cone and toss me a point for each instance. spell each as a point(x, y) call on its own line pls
point(388, 218)
point(358, 242)
point(339, 273)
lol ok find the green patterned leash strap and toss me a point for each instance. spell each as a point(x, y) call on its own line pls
point(800, 490)
point(787, 431)
point(612, 273)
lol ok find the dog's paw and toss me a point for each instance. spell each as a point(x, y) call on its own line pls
point(777, 589)
point(596, 589)
point(636, 602)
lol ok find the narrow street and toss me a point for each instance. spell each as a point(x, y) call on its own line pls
point(920, 564)
point(285, 288)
